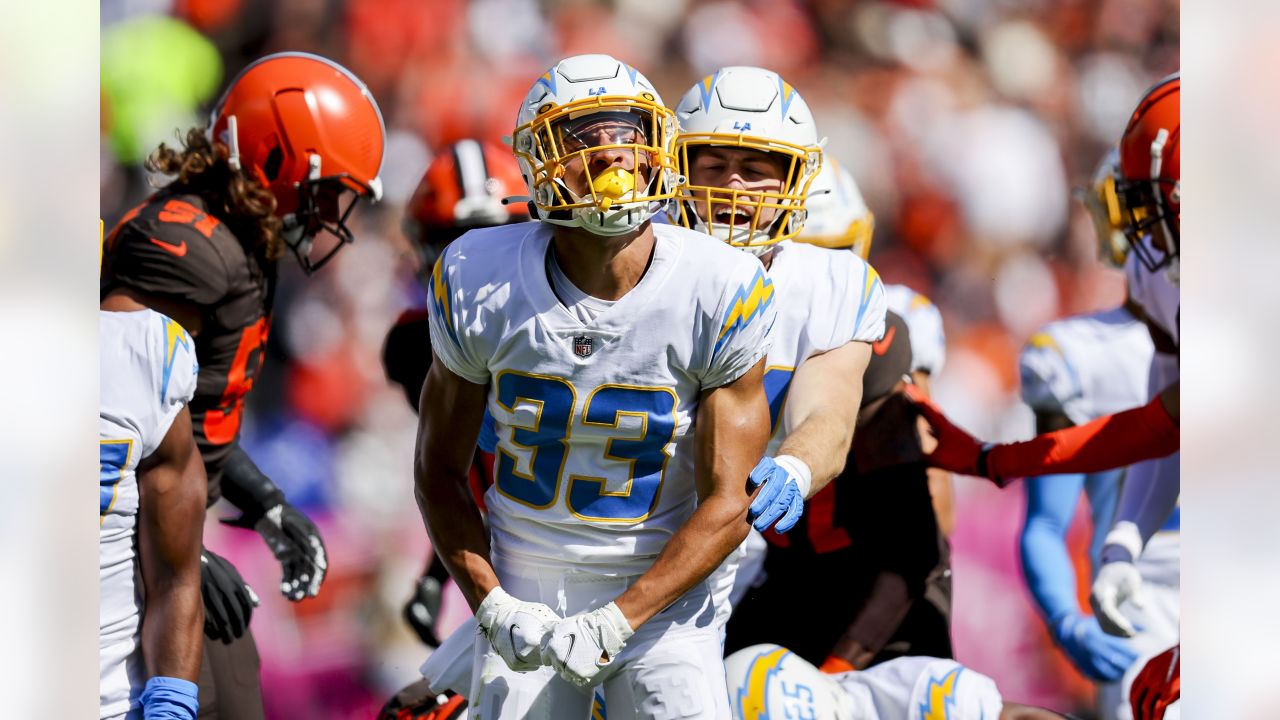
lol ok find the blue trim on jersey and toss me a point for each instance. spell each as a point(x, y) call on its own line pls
point(488, 440)
point(871, 283)
point(1174, 523)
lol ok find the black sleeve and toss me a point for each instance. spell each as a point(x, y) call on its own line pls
point(406, 356)
point(247, 488)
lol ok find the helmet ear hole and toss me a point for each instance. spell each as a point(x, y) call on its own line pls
point(271, 168)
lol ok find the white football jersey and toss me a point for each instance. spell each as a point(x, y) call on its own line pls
point(148, 374)
point(924, 325)
point(1087, 366)
point(919, 688)
point(594, 421)
point(1160, 299)
point(827, 298)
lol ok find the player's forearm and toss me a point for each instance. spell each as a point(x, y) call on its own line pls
point(715, 529)
point(1108, 442)
point(822, 441)
point(1050, 576)
point(247, 487)
point(457, 531)
point(172, 627)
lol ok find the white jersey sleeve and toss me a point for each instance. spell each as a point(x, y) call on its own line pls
point(1050, 385)
point(148, 374)
point(924, 325)
point(1087, 366)
point(747, 312)
point(456, 326)
point(868, 318)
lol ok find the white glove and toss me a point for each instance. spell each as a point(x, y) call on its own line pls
point(1117, 582)
point(515, 628)
point(580, 646)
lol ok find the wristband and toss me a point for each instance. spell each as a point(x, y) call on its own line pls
point(799, 471)
point(169, 698)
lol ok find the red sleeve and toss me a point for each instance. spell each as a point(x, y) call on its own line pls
point(1111, 441)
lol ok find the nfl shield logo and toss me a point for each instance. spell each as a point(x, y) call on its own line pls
point(583, 346)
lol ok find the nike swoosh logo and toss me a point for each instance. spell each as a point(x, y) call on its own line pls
point(879, 347)
point(573, 637)
point(511, 634)
point(180, 249)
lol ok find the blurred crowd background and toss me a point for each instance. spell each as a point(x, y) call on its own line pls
point(967, 123)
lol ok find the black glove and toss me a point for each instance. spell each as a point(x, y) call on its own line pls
point(292, 537)
point(228, 599)
point(296, 543)
point(423, 609)
point(417, 702)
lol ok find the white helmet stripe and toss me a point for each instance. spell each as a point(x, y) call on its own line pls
point(470, 166)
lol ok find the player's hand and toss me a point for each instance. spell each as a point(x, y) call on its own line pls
point(423, 608)
point(957, 450)
point(1157, 685)
point(515, 628)
point(1117, 582)
point(580, 646)
point(783, 483)
point(228, 599)
point(1097, 654)
point(296, 543)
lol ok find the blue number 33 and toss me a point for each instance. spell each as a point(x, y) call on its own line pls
point(546, 442)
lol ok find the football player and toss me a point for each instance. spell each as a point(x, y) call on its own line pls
point(839, 218)
point(1073, 371)
point(151, 512)
point(463, 189)
point(596, 339)
point(749, 148)
point(1150, 196)
point(292, 147)
point(898, 595)
point(769, 680)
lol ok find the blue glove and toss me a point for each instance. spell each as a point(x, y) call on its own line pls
point(783, 483)
point(168, 698)
point(1099, 655)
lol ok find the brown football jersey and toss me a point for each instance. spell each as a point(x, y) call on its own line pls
point(172, 247)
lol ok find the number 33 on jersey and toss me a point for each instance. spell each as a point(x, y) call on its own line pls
point(595, 450)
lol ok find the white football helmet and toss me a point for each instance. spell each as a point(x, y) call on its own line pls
point(771, 681)
point(838, 217)
point(598, 124)
point(755, 109)
point(1104, 207)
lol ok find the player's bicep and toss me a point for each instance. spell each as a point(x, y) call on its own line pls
point(730, 435)
point(452, 410)
point(829, 383)
point(127, 299)
point(172, 489)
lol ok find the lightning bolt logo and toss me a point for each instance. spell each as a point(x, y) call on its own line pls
point(749, 302)
point(753, 698)
point(940, 697)
point(440, 294)
point(174, 337)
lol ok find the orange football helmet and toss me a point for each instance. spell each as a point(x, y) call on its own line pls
point(463, 189)
point(1150, 188)
point(310, 132)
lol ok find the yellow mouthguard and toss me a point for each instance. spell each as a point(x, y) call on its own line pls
point(612, 184)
